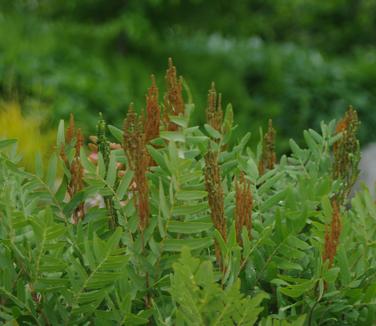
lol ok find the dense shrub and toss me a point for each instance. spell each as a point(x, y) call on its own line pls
point(170, 224)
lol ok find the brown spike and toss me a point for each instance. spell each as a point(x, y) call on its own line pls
point(243, 208)
point(70, 130)
point(153, 112)
point(215, 197)
point(79, 141)
point(173, 99)
point(135, 149)
point(214, 113)
point(332, 234)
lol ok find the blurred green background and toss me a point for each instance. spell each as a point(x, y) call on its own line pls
point(297, 61)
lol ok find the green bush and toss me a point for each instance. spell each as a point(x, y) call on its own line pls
point(298, 62)
point(170, 224)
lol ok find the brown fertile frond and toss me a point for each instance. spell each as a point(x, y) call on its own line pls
point(268, 156)
point(214, 188)
point(63, 155)
point(215, 192)
point(69, 135)
point(214, 113)
point(332, 234)
point(79, 142)
point(173, 99)
point(243, 207)
point(346, 152)
point(135, 150)
point(215, 197)
point(133, 137)
point(153, 112)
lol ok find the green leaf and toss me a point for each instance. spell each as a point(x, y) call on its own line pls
point(51, 172)
point(116, 132)
point(39, 171)
point(273, 200)
point(298, 152)
point(331, 275)
point(101, 167)
point(296, 242)
point(124, 184)
point(196, 140)
point(188, 227)
point(189, 209)
point(221, 242)
point(187, 195)
point(212, 132)
point(163, 205)
point(180, 121)
point(7, 142)
point(295, 291)
point(283, 263)
point(343, 263)
point(192, 244)
point(112, 171)
point(252, 170)
point(174, 136)
point(60, 139)
point(74, 202)
point(88, 166)
point(157, 157)
point(318, 138)
point(310, 142)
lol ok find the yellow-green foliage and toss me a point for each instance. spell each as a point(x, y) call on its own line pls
point(27, 131)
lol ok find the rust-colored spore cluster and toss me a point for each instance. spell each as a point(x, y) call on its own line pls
point(153, 112)
point(346, 151)
point(268, 156)
point(215, 197)
point(214, 113)
point(243, 208)
point(332, 234)
point(69, 133)
point(215, 192)
point(173, 99)
point(134, 143)
point(75, 167)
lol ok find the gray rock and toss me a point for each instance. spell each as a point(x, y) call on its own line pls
point(368, 168)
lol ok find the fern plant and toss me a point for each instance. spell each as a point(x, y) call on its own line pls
point(164, 223)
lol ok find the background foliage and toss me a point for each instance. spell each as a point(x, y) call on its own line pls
point(296, 61)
